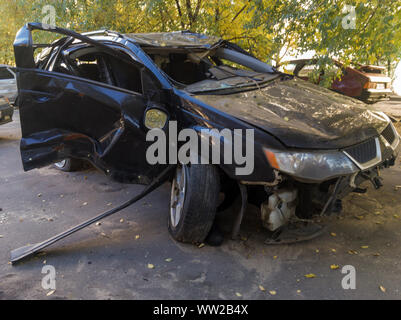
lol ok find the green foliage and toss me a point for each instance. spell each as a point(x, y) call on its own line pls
point(269, 29)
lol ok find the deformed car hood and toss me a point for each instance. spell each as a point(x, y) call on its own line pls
point(301, 114)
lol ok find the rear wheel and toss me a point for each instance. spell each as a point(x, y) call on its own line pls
point(194, 199)
point(69, 165)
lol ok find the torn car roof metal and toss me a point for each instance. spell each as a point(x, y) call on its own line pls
point(175, 39)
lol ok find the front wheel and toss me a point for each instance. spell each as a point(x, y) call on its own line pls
point(194, 199)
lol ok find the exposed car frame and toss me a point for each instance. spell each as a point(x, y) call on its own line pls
point(312, 147)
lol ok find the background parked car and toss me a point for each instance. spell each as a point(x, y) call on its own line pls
point(6, 110)
point(367, 83)
point(8, 85)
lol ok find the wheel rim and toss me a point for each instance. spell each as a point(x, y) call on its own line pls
point(178, 189)
point(60, 164)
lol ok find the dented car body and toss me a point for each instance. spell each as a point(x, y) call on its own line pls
point(86, 96)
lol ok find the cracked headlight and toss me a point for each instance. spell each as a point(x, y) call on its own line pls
point(316, 166)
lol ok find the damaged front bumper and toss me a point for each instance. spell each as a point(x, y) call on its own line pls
point(313, 184)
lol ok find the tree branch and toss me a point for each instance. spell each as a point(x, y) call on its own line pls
point(177, 2)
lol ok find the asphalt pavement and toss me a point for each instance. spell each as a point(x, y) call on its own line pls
point(131, 256)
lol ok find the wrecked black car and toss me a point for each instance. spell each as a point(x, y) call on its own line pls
point(95, 96)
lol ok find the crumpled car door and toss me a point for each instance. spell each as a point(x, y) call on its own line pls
point(66, 116)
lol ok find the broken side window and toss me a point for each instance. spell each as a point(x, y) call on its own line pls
point(93, 64)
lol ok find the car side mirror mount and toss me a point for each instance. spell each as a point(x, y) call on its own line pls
point(23, 48)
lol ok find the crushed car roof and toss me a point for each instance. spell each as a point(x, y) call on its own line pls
point(174, 39)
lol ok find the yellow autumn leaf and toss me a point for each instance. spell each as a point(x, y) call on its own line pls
point(310, 275)
point(334, 266)
point(383, 289)
point(50, 293)
point(150, 266)
point(273, 292)
point(261, 288)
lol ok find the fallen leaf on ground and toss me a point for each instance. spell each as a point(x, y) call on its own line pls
point(109, 204)
point(168, 260)
point(103, 234)
point(274, 257)
point(333, 234)
point(352, 252)
point(334, 266)
point(359, 217)
point(1, 236)
point(383, 289)
point(261, 288)
point(98, 223)
point(298, 291)
point(396, 216)
point(121, 220)
point(44, 261)
point(150, 266)
point(137, 237)
point(238, 294)
point(333, 250)
point(317, 250)
point(376, 254)
point(273, 292)
point(310, 275)
point(364, 247)
point(85, 204)
point(50, 293)
point(201, 245)
point(39, 195)
point(61, 196)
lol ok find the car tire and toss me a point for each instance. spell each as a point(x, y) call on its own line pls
point(193, 203)
point(69, 165)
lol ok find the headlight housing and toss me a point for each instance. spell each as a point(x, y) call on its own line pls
point(311, 166)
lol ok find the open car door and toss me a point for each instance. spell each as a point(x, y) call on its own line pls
point(93, 110)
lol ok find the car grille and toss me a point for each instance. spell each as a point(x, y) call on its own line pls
point(371, 152)
point(389, 134)
point(363, 152)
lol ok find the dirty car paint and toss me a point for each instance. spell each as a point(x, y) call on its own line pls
point(302, 115)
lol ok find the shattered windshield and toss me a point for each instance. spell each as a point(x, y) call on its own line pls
point(202, 71)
